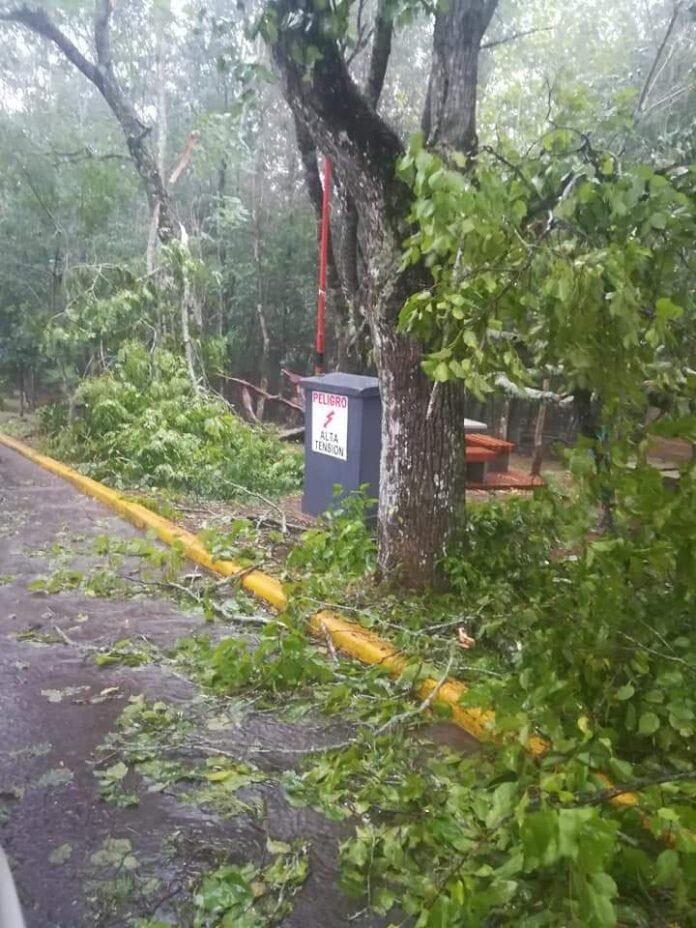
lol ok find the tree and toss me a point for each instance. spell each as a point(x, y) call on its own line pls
point(422, 465)
point(137, 134)
point(101, 73)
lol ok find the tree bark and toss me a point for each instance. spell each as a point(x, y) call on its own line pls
point(186, 298)
point(340, 294)
point(423, 463)
point(449, 116)
point(162, 134)
point(257, 193)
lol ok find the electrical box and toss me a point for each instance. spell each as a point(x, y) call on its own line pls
point(343, 421)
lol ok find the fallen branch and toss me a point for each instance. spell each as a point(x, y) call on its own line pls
point(75, 644)
point(331, 647)
point(494, 43)
point(606, 795)
point(290, 434)
point(186, 153)
point(423, 707)
point(268, 396)
point(245, 619)
point(264, 499)
point(530, 393)
point(208, 748)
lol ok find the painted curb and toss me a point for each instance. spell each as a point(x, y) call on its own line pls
point(266, 588)
point(349, 637)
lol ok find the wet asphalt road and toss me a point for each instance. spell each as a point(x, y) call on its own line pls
point(48, 792)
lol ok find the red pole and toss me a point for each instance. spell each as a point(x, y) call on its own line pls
point(323, 253)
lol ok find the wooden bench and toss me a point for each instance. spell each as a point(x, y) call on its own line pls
point(478, 460)
point(479, 454)
point(498, 447)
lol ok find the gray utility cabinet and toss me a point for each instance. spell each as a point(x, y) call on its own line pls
point(343, 421)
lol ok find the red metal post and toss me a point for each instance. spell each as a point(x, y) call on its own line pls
point(323, 253)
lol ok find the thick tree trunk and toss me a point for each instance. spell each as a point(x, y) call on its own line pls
point(422, 464)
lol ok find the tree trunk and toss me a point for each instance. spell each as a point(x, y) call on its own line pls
point(449, 116)
point(265, 354)
point(588, 409)
point(504, 421)
point(186, 332)
point(257, 192)
point(21, 391)
point(423, 453)
point(538, 453)
point(162, 131)
point(422, 472)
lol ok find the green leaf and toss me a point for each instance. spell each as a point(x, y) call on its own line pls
point(441, 372)
point(60, 854)
point(666, 310)
point(666, 867)
point(658, 221)
point(648, 723)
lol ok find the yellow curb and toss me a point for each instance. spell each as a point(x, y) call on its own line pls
point(371, 649)
point(351, 638)
point(267, 588)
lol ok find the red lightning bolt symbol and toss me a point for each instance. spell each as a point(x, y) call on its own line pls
point(328, 419)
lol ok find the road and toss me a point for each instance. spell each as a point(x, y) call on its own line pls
point(58, 707)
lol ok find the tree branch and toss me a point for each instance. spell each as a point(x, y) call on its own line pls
point(102, 76)
point(37, 21)
point(606, 795)
point(494, 43)
point(648, 85)
point(449, 114)
point(185, 157)
point(261, 392)
point(381, 50)
point(338, 286)
point(310, 167)
point(102, 34)
point(338, 117)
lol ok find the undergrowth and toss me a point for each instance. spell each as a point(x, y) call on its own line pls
point(584, 639)
point(142, 425)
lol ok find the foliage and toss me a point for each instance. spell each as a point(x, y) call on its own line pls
point(593, 648)
point(249, 896)
point(584, 258)
point(280, 662)
point(342, 544)
point(142, 425)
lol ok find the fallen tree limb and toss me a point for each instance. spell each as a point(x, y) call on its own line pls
point(260, 392)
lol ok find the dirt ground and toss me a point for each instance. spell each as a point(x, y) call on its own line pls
point(58, 707)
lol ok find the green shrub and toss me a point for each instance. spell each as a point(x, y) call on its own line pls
point(342, 544)
point(143, 425)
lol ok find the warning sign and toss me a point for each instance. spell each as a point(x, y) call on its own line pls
point(330, 424)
